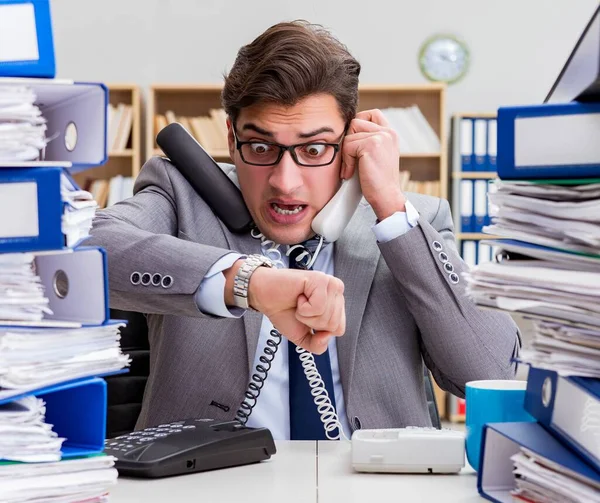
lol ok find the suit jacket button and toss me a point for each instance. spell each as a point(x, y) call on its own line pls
point(135, 278)
point(146, 278)
point(356, 423)
point(167, 281)
point(454, 279)
point(449, 267)
point(156, 279)
point(443, 257)
point(437, 246)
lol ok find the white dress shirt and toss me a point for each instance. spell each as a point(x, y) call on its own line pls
point(272, 409)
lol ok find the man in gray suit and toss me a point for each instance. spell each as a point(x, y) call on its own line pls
point(378, 304)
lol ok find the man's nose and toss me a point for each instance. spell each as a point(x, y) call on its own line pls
point(286, 176)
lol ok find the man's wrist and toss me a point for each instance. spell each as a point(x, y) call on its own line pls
point(388, 205)
point(229, 281)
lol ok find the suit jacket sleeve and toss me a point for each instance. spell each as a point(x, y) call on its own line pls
point(460, 341)
point(140, 235)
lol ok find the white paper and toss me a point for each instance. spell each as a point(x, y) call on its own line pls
point(18, 34)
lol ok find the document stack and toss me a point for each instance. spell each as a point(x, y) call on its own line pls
point(56, 338)
point(548, 269)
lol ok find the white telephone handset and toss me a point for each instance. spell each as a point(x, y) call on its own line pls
point(335, 216)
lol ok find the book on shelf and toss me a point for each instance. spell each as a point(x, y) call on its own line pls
point(429, 187)
point(209, 130)
point(120, 121)
point(415, 134)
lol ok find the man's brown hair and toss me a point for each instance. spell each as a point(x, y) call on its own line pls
point(289, 62)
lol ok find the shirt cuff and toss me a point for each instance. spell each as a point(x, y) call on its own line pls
point(397, 224)
point(210, 296)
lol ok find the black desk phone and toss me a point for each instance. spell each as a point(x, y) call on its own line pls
point(189, 446)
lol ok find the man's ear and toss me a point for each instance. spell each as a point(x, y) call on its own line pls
point(230, 138)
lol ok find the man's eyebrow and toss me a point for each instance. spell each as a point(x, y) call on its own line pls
point(325, 129)
point(254, 127)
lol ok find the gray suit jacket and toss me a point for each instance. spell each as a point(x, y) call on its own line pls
point(403, 308)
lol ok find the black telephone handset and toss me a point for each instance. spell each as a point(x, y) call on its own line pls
point(205, 176)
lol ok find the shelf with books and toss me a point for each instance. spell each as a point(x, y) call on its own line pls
point(473, 161)
point(123, 145)
point(418, 109)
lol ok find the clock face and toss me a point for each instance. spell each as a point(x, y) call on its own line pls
point(444, 59)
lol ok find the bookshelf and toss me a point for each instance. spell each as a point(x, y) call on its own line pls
point(469, 241)
point(124, 161)
point(197, 100)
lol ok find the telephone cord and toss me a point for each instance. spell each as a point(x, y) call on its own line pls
point(325, 408)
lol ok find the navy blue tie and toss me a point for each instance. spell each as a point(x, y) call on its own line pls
point(305, 420)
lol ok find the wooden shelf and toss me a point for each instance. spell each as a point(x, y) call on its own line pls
point(121, 153)
point(192, 100)
point(475, 236)
point(486, 175)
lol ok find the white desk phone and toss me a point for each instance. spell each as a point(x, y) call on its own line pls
point(193, 442)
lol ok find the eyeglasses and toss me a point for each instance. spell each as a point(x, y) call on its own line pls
point(264, 153)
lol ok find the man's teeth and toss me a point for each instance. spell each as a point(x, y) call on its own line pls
point(283, 211)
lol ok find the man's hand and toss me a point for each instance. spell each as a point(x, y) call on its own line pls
point(307, 307)
point(371, 146)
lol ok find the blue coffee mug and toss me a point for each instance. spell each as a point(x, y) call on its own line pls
point(493, 401)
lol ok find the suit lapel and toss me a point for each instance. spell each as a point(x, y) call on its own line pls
point(355, 259)
point(245, 243)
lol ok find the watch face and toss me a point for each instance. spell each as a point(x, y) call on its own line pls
point(444, 58)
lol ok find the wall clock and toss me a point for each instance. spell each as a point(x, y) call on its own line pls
point(444, 58)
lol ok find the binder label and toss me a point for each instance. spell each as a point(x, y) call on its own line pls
point(19, 210)
point(18, 35)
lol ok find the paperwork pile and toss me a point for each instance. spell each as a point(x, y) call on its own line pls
point(549, 269)
point(22, 127)
point(21, 292)
point(80, 209)
point(24, 435)
point(540, 479)
point(33, 358)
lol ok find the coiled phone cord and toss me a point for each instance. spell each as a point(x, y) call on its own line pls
point(325, 408)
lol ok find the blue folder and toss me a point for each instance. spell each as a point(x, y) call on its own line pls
point(32, 199)
point(500, 441)
point(568, 407)
point(549, 141)
point(77, 411)
point(76, 115)
point(27, 36)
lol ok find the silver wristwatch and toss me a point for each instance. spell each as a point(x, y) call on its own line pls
point(242, 278)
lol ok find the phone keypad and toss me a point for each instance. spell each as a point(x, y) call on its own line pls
point(135, 439)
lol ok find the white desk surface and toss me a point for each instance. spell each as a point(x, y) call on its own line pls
point(300, 472)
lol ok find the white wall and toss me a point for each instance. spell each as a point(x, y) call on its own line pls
point(517, 46)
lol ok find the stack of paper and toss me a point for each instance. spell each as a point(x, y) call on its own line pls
point(22, 127)
point(24, 435)
point(561, 216)
point(539, 479)
point(84, 480)
point(549, 269)
point(80, 209)
point(32, 358)
point(21, 293)
point(563, 303)
point(569, 348)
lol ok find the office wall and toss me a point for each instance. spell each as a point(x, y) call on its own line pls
point(517, 46)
